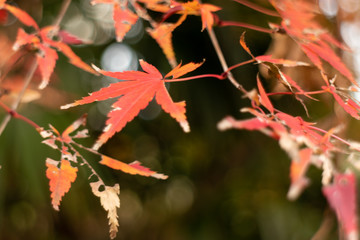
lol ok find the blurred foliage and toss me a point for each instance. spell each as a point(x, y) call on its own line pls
point(222, 185)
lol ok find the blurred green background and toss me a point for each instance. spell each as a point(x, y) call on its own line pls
point(221, 185)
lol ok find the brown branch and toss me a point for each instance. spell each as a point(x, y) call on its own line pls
point(10, 62)
point(222, 60)
point(15, 105)
point(65, 5)
point(14, 114)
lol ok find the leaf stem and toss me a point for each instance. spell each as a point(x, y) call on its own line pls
point(244, 25)
point(222, 60)
point(14, 114)
point(93, 172)
point(334, 136)
point(298, 93)
point(258, 8)
point(240, 64)
point(221, 77)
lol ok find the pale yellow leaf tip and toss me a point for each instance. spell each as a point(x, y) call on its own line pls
point(97, 145)
point(185, 126)
point(159, 176)
point(67, 106)
point(43, 84)
point(224, 124)
point(95, 68)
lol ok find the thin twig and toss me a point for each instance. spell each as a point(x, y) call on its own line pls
point(9, 63)
point(220, 77)
point(297, 93)
point(244, 25)
point(29, 76)
point(222, 60)
point(241, 64)
point(15, 105)
point(334, 136)
point(258, 8)
point(19, 116)
point(94, 173)
point(65, 5)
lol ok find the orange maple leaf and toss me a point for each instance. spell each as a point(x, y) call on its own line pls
point(138, 89)
point(298, 170)
point(263, 97)
point(205, 10)
point(163, 36)
point(300, 24)
point(46, 55)
point(131, 168)
point(60, 179)
point(23, 16)
point(123, 17)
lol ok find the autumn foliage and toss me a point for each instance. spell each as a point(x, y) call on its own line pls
point(305, 142)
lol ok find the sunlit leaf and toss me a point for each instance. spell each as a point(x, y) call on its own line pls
point(131, 168)
point(138, 89)
point(263, 97)
point(60, 179)
point(341, 196)
point(298, 169)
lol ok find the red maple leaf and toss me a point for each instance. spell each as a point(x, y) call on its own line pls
point(298, 170)
point(3, 16)
point(23, 16)
point(300, 24)
point(46, 48)
point(138, 89)
point(341, 196)
point(265, 101)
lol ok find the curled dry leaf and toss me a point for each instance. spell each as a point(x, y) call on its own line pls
point(271, 64)
point(109, 199)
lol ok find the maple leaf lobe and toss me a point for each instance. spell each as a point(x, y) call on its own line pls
point(60, 179)
point(135, 92)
